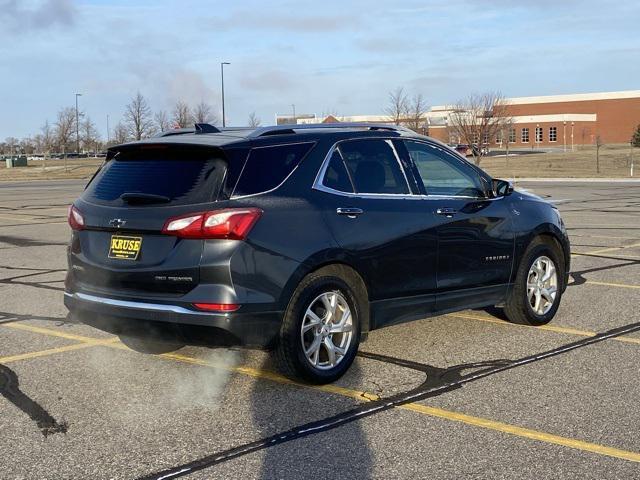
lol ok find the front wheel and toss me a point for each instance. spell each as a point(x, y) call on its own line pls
point(321, 330)
point(535, 296)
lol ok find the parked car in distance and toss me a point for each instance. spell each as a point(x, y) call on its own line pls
point(302, 239)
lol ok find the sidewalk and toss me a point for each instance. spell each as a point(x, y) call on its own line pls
point(578, 180)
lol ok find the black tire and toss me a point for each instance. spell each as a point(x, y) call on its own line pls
point(517, 308)
point(289, 352)
point(150, 346)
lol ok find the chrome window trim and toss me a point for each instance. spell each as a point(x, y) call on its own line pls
point(318, 185)
point(157, 307)
point(236, 197)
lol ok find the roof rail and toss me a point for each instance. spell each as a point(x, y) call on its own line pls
point(291, 129)
point(175, 131)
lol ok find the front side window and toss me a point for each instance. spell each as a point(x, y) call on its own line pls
point(373, 166)
point(442, 173)
point(267, 167)
point(525, 135)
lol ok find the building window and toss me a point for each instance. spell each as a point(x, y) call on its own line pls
point(476, 137)
point(538, 134)
point(525, 135)
point(485, 138)
point(499, 137)
point(512, 135)
point(553, 134)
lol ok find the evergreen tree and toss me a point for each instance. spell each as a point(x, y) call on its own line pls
point(635, 139)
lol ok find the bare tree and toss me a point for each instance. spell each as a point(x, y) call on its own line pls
point(203, 113)
point(137, 116)
point(89, 135)
point(398, 107)
point(11, 144)
point(120, 134)
point(416, 114)
point(181, 115)
point(162, 121)
point(599, 143)
point(65, 128)
point(477, 118)
point(254, 121)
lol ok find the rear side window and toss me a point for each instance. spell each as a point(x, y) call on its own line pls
point(374, 167)
point(336, 176)
point(173, 176)
point(268, 167)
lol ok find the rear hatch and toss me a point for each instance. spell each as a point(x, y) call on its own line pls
point(121, 249)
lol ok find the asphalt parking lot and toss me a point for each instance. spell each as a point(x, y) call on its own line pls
point(465, 395)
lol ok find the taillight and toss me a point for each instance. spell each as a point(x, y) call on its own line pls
point(217, 307)
point(75, 218)
point(233, 223)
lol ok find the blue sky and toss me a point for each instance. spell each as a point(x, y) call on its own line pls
point(324, 56)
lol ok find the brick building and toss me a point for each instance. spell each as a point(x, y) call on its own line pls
point(559, 120)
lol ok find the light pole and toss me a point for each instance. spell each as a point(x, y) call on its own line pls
point(293, 106)
point(222, 64)
point(564, 136)
point(77, 125)
point(108, 133)
point(537, 141)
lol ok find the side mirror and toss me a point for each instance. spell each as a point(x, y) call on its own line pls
point(501, 188)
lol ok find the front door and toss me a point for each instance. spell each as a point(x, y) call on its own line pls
point(475, 235)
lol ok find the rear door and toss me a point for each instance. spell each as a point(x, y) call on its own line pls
point(375, 215)
point(475, 233)
point(125, 208)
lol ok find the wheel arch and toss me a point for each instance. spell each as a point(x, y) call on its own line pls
point(554, 235)
point(341, 267)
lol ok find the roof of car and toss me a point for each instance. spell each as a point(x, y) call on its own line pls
point(209, 135)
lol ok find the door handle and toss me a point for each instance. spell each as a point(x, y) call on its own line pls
point(349, 211)
point(446, 211)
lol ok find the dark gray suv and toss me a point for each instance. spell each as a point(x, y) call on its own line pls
point(302, 239)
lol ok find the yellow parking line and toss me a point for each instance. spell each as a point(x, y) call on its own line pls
point(613, 249)
point(608, 284)
point(523, 432)
point(365, 396)
point(549, 328)
point(52, 351)
point(50, 332)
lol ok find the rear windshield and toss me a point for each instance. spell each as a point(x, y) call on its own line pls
point(268, 167)
point(174, 176)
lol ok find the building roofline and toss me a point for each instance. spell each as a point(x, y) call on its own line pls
point(573, 97)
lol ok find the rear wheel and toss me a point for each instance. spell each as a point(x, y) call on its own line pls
point(535, 296)
point(321, 329)
point(150, 346)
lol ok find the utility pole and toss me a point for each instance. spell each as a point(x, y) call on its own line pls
point(77, 125)
point(222, 64)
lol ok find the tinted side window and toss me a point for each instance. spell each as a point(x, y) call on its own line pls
point(442, 173)
point(267, 167)
point(373, 166)
point(336, 176)
point(184, 176)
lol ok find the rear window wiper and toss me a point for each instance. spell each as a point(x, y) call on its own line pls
point(136, 197)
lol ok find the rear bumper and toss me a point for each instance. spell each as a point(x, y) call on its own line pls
point(256, 328)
